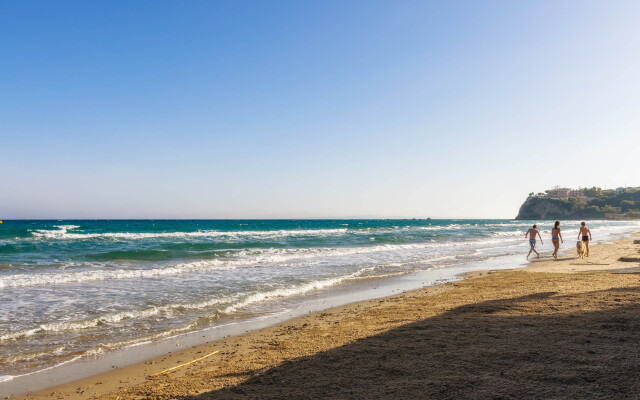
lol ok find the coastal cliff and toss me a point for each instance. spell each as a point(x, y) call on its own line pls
point(595, 203)
point(541, 208)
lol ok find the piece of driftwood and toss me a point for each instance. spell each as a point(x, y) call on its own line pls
point(166, 371)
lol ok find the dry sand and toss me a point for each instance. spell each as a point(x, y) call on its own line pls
point(531, 333)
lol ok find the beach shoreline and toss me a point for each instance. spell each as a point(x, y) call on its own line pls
point(95, 287)
point(329, 298)
point(308, 336)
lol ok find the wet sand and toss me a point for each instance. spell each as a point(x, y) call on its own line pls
point(566, 328)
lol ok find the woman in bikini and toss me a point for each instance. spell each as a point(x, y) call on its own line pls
point(556, 237)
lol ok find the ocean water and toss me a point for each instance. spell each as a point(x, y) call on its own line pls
point(72, 289)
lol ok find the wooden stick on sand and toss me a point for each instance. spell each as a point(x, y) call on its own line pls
point(182, 365)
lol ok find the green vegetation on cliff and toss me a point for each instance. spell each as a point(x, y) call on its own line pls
point(596, 203)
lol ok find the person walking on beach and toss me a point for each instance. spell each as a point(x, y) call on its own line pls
point(556, 237)
point(586, 235)
point(531, 233)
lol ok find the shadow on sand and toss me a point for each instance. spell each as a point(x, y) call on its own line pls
point(532, 347)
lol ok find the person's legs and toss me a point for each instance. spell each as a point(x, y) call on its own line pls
point(586, 243)
point(532, 244)
point(556, 246)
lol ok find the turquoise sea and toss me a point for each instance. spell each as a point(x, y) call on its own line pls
point(72, 289)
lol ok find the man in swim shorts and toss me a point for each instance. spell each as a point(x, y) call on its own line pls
point(531, 233)
point(586, 235)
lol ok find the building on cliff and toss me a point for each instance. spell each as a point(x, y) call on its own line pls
point(626, 189)
point(564, 193)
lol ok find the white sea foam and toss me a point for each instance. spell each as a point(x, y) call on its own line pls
point(62, 233)
point(291, 291)
point(49, 278)
point(35, 355)
point(113, 318)
point(80, 325)
point(238, 301)
point(507, 233)
point(243, 259)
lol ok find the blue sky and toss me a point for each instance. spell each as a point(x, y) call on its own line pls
point(240, 109)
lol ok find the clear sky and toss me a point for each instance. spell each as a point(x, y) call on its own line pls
point(292, 109)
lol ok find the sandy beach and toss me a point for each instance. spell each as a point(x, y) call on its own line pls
point(319, 200)
point(566, 328)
